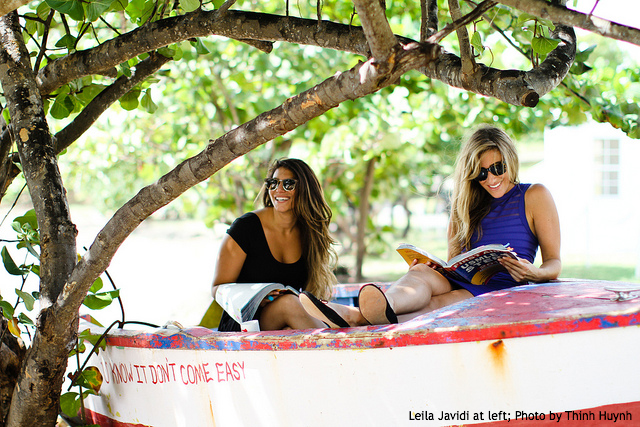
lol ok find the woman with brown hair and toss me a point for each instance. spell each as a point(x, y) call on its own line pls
point(287, 242)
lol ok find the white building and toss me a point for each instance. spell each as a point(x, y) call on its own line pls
point(593, 173)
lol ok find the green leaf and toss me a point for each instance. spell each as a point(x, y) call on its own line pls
point(31, 24)
point(89, 92)
point(134, 8)
point(190, 5)
point(579, 68)
point(125, 69)
point(31, 249)
point(26, 298)
point(119, 5)
point(73, 8)
point(70, 403)
point(130, 99)
point(583, 55)
point(88, 336)
point(25, 320)
point(60, 108)
point(9, 264)
point(28, 218)
point(6, 116)
point(43, 10)
point(100, 300)
point(166, 51)
point(95, 8)
point(543, 45)
point(97, 285)
point(547, 23)
point(525, 17)
point(476, 42)
point(78, 349)
point(67, 41)
point(201, 49)
point(147, 102)
point(7, 309)
point(90, 378)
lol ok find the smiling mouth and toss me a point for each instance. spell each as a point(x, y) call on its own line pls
point(281, 199)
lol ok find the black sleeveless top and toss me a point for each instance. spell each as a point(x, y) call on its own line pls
point(260, 266)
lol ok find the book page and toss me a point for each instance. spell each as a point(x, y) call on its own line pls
point(410, 252)
point(234, 297)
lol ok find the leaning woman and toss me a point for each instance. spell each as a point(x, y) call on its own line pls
point(489, 205)
point(287, 241)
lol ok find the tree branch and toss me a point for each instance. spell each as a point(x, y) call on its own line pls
point(468, 63)
point(247, 25)
point(376, 28)
point(233, 24)
point(7, 6)
point(429, 18)
point(546, 10)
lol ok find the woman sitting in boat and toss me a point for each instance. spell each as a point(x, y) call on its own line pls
point(488, 205)
point(286, 242)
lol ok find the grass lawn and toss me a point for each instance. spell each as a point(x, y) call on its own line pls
point(389, 266)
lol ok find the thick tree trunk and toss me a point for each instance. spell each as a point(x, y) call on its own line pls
point(35, 400)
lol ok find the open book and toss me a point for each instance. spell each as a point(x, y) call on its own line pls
point(241, 300)
point(476, 266)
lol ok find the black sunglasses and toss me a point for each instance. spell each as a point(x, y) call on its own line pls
point(497, 169)
point(288, 184)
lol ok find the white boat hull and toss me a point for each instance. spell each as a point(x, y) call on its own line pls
point(433, 370)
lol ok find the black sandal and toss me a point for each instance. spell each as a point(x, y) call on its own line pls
point(380, 312)
point(322, 311)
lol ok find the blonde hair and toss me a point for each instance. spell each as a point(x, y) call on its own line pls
point(469, 201)
point(314, 217)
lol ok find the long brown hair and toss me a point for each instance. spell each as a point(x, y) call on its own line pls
point(314, 216)
point(469, 201)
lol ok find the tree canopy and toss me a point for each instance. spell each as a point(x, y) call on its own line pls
point(64, 63)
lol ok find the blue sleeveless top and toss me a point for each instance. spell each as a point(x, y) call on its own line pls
point(505, 223)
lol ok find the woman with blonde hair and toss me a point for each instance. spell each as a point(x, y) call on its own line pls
point(488, 205)
point(287, 241)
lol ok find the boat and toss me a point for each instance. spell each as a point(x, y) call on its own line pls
point(559, 353)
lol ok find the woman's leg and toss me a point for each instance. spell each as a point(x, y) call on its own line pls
point(286, 312)
point(413, 291)
point(438, 301)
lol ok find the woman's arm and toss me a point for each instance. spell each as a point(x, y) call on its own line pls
point(230, 261)
point(542, 217)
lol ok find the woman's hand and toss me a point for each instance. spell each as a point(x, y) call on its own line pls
point(271, 296)
point(520, 269)
point(429, 264)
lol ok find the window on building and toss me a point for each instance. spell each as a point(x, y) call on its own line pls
point(608, 164)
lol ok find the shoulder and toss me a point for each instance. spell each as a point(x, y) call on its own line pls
point(248, 220)
point(537, 193)
point(249, 217)
point(538, 201)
